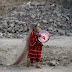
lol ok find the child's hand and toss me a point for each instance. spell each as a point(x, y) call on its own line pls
point(38, 35)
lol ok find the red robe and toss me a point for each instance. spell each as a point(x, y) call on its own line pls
point(35, 48)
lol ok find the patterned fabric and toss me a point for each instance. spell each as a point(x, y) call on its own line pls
point(35, 48)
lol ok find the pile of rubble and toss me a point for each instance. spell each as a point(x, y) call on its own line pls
point(50, 16)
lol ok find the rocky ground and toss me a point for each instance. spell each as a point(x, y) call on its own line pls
point(58, 51)
point(56, 55)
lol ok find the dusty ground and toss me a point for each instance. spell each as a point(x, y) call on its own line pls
point(33, 69)
point(58, 47)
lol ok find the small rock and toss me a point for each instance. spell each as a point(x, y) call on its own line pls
point(35, 3)
point(1, 17)
point(9, 29)
point(21, 29)
point(61, 32)
point(1, 34)
point(51, 20)
point(53, 63)
point(28, 4)
point(69, 34)
point(50, 28)
point(33, 16)
point(52, 5)
point(67, 18)
point(44, 21)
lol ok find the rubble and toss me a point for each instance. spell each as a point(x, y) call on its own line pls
point(50, 16)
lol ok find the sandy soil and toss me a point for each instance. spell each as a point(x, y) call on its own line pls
point(33, 69)
point(56, 46)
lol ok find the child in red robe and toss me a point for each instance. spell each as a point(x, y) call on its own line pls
point(35, 47)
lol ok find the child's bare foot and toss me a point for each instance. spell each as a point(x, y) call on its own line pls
point(28, 64)
point(38, 66)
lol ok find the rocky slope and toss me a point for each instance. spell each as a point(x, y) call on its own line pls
point(50, 16)
point(8, 5)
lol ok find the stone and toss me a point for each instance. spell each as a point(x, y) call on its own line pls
point(9, 29)
point(50, 28)
point(33, 16)
point(9, 35)
point(50, 20)
point(35, 3)
point(12, 25)
point(5, 30)
point(42, 4)
point(21, 29)
point(28, 4)
point(52, 63)
point(44, 21)
point(52, 5)
point(1, 34)
point(67, 18)
point(25, 29)
point(13, 31)
point(61, 32)
point(1, 17)
point(55, 25)
point(69, 34)
point(59, 25)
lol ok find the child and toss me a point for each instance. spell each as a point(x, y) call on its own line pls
point(35, 47)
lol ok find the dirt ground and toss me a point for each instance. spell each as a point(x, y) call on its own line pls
point(55, 47)
point(33, 69)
